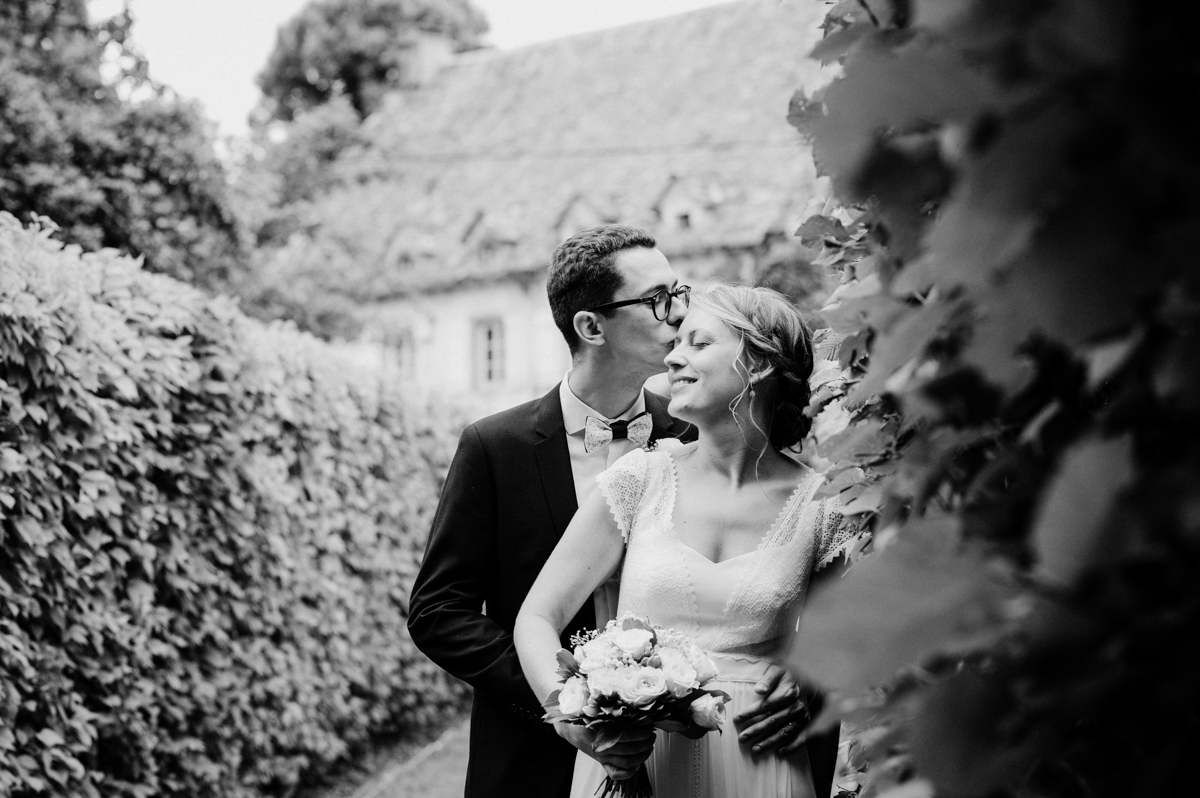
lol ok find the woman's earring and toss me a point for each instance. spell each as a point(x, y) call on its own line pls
point(751, 392)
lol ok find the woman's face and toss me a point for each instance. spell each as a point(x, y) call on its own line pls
point(701, 368)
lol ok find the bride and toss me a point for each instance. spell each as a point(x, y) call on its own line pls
point(717, 539)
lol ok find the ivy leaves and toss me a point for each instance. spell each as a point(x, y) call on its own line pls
point(1072, 532)
point(923, 598)
point(1015, 327)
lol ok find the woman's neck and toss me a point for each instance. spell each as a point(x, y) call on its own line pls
point(737, 451)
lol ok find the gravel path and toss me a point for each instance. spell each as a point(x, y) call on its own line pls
point(438, 770)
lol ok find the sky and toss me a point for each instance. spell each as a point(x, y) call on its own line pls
point(211, 50)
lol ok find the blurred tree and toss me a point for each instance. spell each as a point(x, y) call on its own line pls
point(113, 159)
point(358, 49)
point(787, 266)
point(292, 281)
point(304, 161)
point(278, 175)
point(332, 64)
point(278, 180)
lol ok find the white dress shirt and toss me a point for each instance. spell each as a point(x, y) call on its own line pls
point(586, 467)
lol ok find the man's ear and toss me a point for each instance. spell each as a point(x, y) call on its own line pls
point(588, 327)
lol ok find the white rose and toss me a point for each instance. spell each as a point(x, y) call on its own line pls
point(573, 696)
point(606, 682)
point(599, 647)
point(590, 665)
point(595, 655)
point(634, 642)
point(706, 669)
point(643, 686)
point(709, 711)
point(680, 675)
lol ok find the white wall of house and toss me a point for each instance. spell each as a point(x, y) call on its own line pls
point(436, 342)
point(440, 343)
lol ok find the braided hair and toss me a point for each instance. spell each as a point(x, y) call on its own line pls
point(772, 333)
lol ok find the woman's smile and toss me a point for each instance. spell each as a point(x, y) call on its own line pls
point(704, 368)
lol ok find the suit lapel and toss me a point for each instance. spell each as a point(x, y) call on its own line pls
point(554, 461)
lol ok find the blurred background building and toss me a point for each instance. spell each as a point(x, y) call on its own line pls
point(476, 173)
point(402, 185)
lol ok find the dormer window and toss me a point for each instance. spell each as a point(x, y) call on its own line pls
point(580, 214)
point(687, 205)
point(487, 251)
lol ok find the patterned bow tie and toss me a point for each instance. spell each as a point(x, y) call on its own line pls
point(597, 432)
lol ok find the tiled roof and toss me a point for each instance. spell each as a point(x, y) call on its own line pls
point(508, 140)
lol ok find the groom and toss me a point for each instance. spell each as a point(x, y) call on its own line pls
point(516, 481)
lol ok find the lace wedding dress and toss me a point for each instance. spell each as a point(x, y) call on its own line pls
point(739, 610)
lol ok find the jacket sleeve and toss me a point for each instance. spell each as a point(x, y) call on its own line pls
point(446, 619)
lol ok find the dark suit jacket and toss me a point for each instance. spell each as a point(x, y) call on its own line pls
point(507, 500)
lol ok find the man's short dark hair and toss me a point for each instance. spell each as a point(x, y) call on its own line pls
point(583, 272)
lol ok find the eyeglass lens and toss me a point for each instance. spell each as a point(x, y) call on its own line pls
point(662, 301)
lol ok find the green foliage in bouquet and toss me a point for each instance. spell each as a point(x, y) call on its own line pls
point(1019, 416)
point(208, 528)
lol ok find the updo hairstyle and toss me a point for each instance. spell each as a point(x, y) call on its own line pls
point(772, 333)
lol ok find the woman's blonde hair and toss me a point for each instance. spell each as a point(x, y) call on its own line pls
point(772, 333)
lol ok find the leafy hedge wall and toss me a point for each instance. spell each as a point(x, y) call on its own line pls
point(207, 534)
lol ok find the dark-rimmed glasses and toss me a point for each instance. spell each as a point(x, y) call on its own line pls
point(660, 303)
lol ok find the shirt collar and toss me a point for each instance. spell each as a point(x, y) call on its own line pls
point(575, 412)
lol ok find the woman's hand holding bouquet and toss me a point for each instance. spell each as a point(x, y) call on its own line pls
point(633, 677)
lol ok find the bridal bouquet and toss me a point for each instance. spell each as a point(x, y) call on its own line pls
point(633, 675)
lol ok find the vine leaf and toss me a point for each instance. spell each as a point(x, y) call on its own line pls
point(868, 501)
point(921, 597)
point(905, 341)
point(816, 228)
point(880, 91)
point(1107, 357)
point(1068, 534)
point(863, 441)
point(958, 737)
point(853, 314)
point(1081, 254)
point(991, 217)
point(838, 43)
point(1004, 324)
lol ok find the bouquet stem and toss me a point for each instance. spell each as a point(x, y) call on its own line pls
point(636, 786)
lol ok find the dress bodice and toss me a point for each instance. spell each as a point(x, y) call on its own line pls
point(744, 605)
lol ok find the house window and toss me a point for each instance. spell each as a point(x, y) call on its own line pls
point(404, 353)
point(489, 353)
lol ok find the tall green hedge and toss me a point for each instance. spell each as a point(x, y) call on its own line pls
point(208, 528)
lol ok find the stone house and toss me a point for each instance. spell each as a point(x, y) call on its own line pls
point(675, 125)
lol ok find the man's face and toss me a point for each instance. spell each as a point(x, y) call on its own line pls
point(637, 339)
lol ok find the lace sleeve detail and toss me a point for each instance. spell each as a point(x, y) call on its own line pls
point(623, 485)
point(835, 533)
